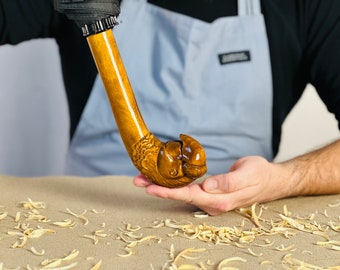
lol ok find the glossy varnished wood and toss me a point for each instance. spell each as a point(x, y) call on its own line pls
point(171, 164)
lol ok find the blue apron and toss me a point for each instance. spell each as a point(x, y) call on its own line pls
point(211, 81)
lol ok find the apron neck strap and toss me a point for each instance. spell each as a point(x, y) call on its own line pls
point(248, 7)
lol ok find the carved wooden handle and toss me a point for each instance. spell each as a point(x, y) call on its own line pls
point(171, 164)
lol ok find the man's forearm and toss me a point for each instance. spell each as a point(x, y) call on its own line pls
point(317, 172)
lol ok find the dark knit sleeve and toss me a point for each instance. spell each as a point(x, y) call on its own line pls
point(22, 20)
point(322, 52)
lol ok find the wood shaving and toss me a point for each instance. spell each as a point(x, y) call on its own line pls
point(336, 204)
point(98, 212)
point(128, 254)
point(97, 265)
point(335, 227)
point(131, 228)
point(283, 248)
point(158, 224)
point(266, 262)
point(67, 223)
point(96, 235)
point(35, 252)
point(3, 215)
point(28, 233)
point(17, 217)
point(80, 216)
point(255, 254)
point(30, 204)
point(243, 236)
point(229, 260)
point(55, 264)
point(200, 214)
point(334, 247)
point(187, 251)
point(35, 215)
point(288, 260)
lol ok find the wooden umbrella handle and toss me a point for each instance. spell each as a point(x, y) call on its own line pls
point(170, 164)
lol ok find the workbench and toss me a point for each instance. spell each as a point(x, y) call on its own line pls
point(109, 220)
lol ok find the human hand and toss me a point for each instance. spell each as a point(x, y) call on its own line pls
point(85, 12)
point(251, 179)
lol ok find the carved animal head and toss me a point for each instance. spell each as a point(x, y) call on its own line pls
point(185, 158)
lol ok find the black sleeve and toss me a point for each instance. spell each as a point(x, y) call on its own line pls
point(22, 20)
point(322, 50)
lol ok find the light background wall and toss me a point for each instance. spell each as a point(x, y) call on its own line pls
point(34, 122)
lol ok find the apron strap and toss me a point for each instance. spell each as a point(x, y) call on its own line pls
point(248, 7)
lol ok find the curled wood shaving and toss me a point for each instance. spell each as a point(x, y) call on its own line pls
point(36, 233)
point(187, 267)
point(97, 265)
point(293, 222)
point(17, 217)
point(336, 204)
point(326, 213)
point(335, 247)
point(73, 254)
point(286, 212)
point(267, 262)
point(268, 243)
point(96, 235)
point(146, 238)
point(65, 267)
point(323, 234)
point(80, 216)
point(184, 252)
point(100, 233)
point(200, 214)
point(30, 204)
point(18, 244)
point(158, 224)
point(298, 264)
point(55, 263)
point(3, 215)
point(130, 228)
point(335, 227)
point(35, 252)
point(255, 254)
point(98, 212)
point(35, 215)
point(228, 260)
point(283, 248)
point(92, 237)
point(128, 254)
point(67, 223)
point(26, 234)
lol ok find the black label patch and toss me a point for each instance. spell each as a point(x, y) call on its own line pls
point(234, 57)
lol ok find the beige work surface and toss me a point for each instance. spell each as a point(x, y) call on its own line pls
point(113, 202)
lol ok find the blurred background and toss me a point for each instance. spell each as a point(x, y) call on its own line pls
point(34, 122)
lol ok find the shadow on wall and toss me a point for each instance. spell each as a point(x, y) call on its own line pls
point(33, 110)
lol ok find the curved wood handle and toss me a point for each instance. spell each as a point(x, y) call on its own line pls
point(170, 164)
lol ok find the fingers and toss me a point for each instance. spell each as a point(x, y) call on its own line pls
point(193, 194)
point(226, 183)
point(246, 183)
point(141, 181)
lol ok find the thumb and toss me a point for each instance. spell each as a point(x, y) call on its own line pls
point(217, 184)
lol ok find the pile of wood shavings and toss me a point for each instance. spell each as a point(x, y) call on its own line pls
point(25, 233)
point(285, 225)
point(254, 232)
